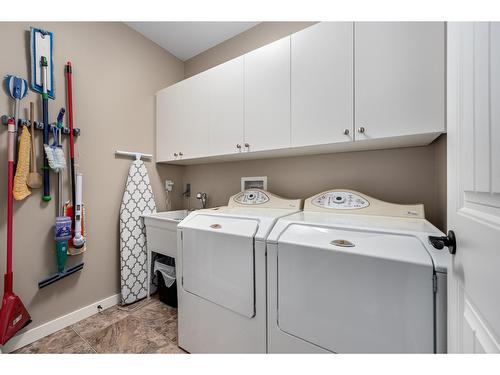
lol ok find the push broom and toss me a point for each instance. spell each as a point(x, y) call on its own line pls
point(13, 315)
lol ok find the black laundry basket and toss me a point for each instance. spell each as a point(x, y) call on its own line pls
point(168, 295)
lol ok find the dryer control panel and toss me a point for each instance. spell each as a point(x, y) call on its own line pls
point(251, 197)
point(262, 199)
point(342, 200)
point(352, 202)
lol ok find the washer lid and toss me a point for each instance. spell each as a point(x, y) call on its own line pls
point(235, 220)
point(396, 247)
point(351, 291)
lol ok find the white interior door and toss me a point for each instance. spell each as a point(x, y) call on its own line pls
point(474, 186)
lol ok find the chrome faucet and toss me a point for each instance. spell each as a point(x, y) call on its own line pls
point(203, 198)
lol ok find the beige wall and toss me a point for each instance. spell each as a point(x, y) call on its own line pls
point(116, 74)
point(405, 175)
point(258, 36)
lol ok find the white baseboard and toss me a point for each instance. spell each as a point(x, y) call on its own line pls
point(31, 335)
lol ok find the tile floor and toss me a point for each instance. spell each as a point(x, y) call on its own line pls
point(148, 326)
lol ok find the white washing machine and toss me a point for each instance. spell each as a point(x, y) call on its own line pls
point(352, 274)
point(221, 273)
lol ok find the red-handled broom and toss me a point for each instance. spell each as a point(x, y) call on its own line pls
point(13, 315)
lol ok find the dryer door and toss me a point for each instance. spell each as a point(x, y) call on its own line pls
point(218, 261)
point(355, 291)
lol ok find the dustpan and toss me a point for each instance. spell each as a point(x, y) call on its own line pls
point(41, 46)
point(13, 315)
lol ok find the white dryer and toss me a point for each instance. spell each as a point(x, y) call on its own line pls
point(352, 274)
point(221, 273)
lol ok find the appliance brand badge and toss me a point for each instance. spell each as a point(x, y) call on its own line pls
point(342, 243)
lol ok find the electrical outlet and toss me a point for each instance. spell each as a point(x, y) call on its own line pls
point(169, 185)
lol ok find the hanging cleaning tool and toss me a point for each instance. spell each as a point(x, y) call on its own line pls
point(62, 227)
point(42, 46)
point(62, 233)
point(13, 315)
point(18, 89)
point(34, 178)
point(69, 207)
point(42, 81)
point(45, 109)
point(69, 79)
point(54, 152)
point(21, 190)
point(78, 238)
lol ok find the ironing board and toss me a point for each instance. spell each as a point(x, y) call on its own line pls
point(137, 200)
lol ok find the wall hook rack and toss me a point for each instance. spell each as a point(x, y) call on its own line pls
point(39, 125)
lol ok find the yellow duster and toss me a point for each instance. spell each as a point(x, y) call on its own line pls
point(21, 190)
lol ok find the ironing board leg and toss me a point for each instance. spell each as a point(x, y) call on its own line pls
point(149, 273)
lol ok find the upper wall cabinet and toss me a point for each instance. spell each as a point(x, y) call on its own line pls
point(203, 115)
point(180, 130)
point(335, 86)
point(322, 84)
point(267, 97)
point(169, 117)
point(399, 78)
point(225, 102)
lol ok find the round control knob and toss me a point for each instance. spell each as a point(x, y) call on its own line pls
point(346, 131)
point(338, 199)
point(361, 129)
point(175, 154)
point(180, 154)
point(247, 145)
point(238, 146)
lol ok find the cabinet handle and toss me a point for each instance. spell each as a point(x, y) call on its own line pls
point(346, 131)
point(238, 146)
point(361, 129)
point(175, 154)
point(180, 154)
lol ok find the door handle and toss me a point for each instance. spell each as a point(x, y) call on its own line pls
point(449, 241)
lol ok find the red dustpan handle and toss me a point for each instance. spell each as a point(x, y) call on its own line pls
point(10, 152)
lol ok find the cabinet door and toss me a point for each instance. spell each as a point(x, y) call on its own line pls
point(267, 96)
point(169, 115)
point(322, 84)
point(225, 112)
point(399, 78)
point(193, 128)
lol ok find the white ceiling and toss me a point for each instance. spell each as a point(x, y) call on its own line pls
point(187, 39)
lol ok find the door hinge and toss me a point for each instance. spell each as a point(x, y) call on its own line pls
point(434, 283)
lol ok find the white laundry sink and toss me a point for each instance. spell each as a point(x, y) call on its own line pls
point(161, 231)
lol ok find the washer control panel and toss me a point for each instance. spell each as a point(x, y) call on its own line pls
point(251, 197)
point(258, 198)
point(340, 200)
